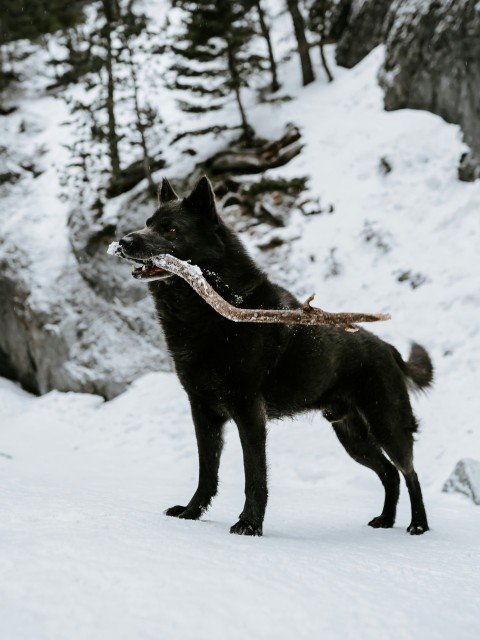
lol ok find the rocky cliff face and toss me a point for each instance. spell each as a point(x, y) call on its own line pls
point(432, 58)
point(360, 26)
point(433, 62)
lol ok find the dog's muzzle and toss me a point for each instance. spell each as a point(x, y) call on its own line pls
point(142, 268)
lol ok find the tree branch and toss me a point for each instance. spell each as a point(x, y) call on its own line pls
point(306, 315)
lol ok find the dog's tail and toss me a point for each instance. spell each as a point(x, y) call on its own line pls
point(418, 368)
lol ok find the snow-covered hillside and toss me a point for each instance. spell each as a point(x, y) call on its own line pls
point(85, 551)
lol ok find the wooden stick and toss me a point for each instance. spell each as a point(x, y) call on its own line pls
point(306, 315)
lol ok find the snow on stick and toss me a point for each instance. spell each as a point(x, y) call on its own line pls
point(309, 315)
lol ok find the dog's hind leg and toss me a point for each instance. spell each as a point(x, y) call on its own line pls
point(250, 418)
point(400, 453)
point(393, 424)
point(209, 432)
point(354, 435)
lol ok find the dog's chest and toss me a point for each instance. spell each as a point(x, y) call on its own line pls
point(219, 358)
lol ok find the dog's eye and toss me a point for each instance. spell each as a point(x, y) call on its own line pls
point(172, 231)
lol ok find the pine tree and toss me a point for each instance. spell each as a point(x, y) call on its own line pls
point(112, 117)
point(34, 18)
point(30, 20)
point(213, 60)
point(145, 117)
point(110, 14)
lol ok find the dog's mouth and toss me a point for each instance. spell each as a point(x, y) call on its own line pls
point(147, 270)
point(142, 268)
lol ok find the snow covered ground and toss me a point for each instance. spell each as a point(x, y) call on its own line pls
point(85, 551)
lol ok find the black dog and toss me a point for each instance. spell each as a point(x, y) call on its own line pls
point(252, 372)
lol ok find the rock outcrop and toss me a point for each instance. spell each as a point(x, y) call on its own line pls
point(84, 325)
point(359, 26)
point(432, 58)
point(433, 62)
point(465, 478)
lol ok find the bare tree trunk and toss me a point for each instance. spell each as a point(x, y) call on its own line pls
point(147, 161)
point(2, 79)
point(109, 12)
point(322, 55)
point(1, 66)
point(266, 34)
point(303, 47)
point(141, 129)
point(248, 132)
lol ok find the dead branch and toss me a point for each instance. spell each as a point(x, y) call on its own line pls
point(306, 315)
point(257, 160)
point(216, 129)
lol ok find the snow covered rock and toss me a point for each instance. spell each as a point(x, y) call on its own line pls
point(69, 337)
point(465, 479)
point(433, 62)
point(432, 59)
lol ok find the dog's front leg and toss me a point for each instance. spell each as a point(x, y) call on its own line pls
point(209, 432)
point(251, 422)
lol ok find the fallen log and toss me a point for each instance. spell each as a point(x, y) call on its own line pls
point(257, 160)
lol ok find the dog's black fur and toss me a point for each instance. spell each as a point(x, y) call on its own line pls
point(253, 372)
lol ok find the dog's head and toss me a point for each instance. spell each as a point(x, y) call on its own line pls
point(187, 228)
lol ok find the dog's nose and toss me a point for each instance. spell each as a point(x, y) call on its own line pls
point(126, 242)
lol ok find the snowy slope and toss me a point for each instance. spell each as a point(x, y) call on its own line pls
point(85, 551)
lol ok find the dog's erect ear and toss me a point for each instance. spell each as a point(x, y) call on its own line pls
point(166, 192)
point(202, 199)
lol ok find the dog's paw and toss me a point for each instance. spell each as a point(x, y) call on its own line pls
point(191, 513)
point(417, 528)
point(175, 512)
point(243, 528)
point(185, 513)
point(382, 522)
